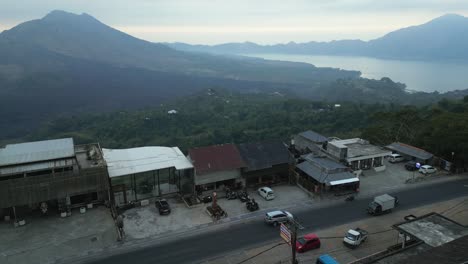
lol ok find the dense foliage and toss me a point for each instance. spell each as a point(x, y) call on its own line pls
point(441, 128)
point(214, 117)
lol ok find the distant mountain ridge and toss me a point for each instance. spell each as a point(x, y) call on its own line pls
point(67, 64)
point(443, 38)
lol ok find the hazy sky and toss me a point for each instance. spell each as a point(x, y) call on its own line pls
point(261, 21)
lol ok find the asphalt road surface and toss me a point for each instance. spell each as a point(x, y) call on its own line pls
point(201, 247)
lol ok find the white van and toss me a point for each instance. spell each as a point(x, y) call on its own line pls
point(266, 193)
point(394, 158)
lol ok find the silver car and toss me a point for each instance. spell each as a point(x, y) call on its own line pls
point(277, 217)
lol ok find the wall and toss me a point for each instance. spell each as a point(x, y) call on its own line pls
point(36, 189)
point(217, 176)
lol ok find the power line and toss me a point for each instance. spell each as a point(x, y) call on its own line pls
point(454, 206)
point(247, 259)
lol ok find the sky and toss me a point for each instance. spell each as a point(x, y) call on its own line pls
point(260, 21)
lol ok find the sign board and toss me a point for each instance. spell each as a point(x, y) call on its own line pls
point(285, 233)
point(418, 165)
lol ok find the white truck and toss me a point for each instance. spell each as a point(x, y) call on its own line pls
point(382, 204)
point(355, 237)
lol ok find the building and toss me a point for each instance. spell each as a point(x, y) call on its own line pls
point(411, 153)
point(217, 166)
point(142, 173)
point(357, 153)
point(55, 172)
point(266, 162)
point(428, 239)
point(309, 141)
point(323, 174)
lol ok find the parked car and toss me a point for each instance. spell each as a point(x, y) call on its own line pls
point(307, 242)
point(427, 169)
point(163, 207)
point(411, 166)
point(267, 193)
point(394, 158)
point(277, 217)
point(326, 259)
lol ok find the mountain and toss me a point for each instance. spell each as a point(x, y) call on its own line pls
point(66, 64)
point(443, 38)
point(84, 37)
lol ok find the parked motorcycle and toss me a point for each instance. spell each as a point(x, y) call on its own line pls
point(231, 195)
point(207, 199)
point(243, 196)
point(349, 198)
point(252, 205)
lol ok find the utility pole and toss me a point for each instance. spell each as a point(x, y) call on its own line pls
point(294, 226)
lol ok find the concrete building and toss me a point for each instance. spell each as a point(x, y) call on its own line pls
point(309, 141)
point(266, 162)
point(217, 166)
point(142, 173)
point(318, 174)
point(54, 172)
point(357, 153)
point(428, 239)
point(411, 153)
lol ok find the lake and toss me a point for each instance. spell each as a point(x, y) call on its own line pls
point(417, 75)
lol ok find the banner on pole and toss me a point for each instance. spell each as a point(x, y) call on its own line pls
point(285, 233)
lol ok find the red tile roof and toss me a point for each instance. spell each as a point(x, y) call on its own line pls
point(216, 158)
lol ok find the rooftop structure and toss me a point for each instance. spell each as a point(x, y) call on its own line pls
point(326, 171)
point(216, 158)
point(358, 148)
point(30, 152)
point(313, 136)
point(409, 150)
point(263, 155)
point(135, 160)
point(433, 229)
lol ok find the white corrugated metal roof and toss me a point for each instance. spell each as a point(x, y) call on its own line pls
point(122, 162)
point(36, 151)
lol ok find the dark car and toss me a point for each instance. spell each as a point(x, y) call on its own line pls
point(411, 166)
point(163, 207)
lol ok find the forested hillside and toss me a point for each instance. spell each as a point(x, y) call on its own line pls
point(219, 116)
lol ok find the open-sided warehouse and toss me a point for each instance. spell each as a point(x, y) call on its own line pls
point(410, 152)
point(51, 173)
point(266, 162)
point(146, 172)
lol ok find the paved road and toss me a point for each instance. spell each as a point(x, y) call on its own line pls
point(238, 236)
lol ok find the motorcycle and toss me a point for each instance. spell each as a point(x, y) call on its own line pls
point(231, 195)
point(252, 205)
point(349, 198)
point(243, 196)
point(207, 199)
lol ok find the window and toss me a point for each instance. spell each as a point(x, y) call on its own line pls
point(39, 173)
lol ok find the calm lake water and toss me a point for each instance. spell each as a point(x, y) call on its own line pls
point(417, 75)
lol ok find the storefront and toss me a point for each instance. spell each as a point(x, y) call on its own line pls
point(143, 173)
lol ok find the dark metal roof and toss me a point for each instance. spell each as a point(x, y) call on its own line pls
point(410, 150)
point(321, 175)
point(313, 136)
point(216, 158)
point(263, 155)
point(325, 163)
